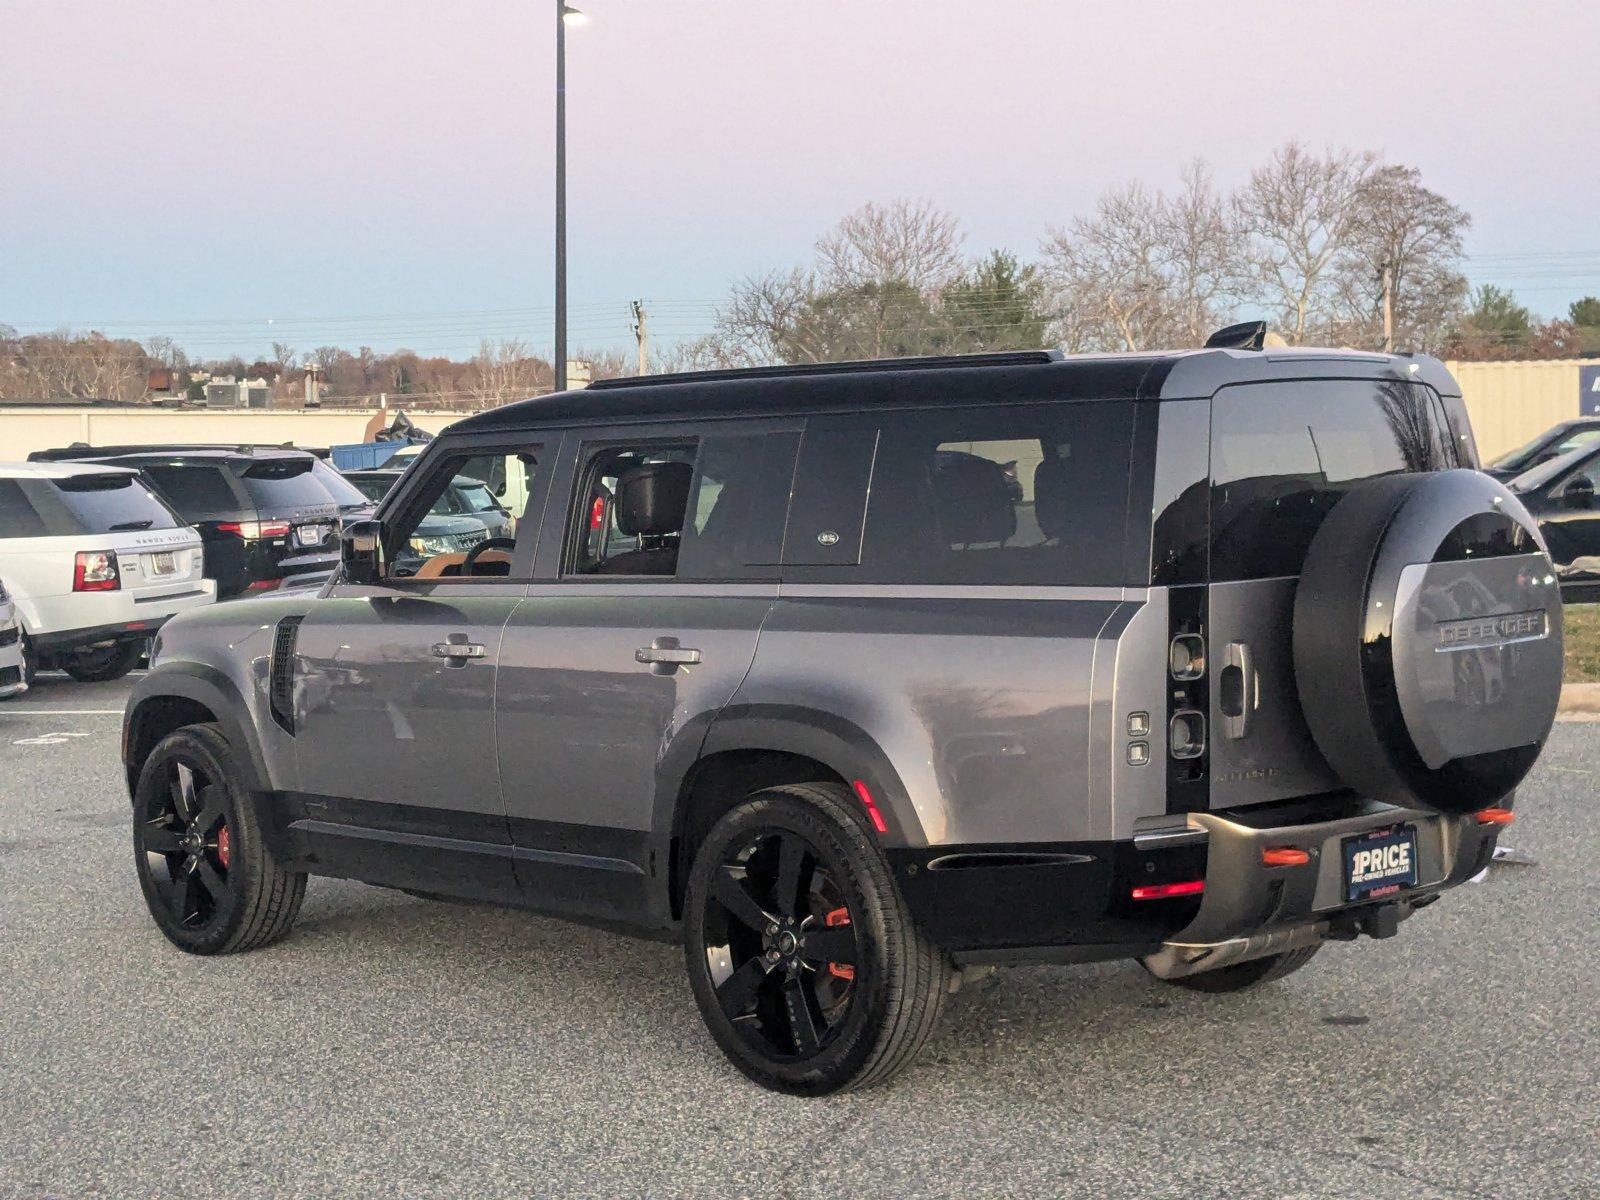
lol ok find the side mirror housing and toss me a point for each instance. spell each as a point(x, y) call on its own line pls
point(361, 551)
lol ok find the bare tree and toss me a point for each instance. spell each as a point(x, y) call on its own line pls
point(1108, 272)
point(1298, 212)
point(1415, 235)
point(326, 357)
point(283, 355)
point(503, 371)
point(1203, 254)
point(166, 352)
point(906, 241)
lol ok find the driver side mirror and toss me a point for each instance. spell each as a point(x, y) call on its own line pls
point(1579, 493)
point(361, 552)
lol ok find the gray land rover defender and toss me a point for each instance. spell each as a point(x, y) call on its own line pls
point(858, 678)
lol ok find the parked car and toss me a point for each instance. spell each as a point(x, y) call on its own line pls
point(1254, 664)
point(464, 497)
point(265, 513)
point(1561, 496)
point(1552, 443)
point(95, 562)
point(12, 668)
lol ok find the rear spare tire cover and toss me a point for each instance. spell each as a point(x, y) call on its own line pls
point(1427, 640)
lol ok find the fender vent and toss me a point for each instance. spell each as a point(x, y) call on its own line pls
point(281, 683)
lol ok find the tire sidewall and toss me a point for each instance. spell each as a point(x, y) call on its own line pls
point(865, 1025)
point(205, 748)
point(121, 659)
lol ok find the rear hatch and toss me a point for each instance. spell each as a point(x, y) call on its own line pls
point(298, 518)
point(1282, 455)
point(157, 555)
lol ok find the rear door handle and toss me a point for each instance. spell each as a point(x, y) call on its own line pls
point(665, 655)
point(457, 652)
point(1241, 690)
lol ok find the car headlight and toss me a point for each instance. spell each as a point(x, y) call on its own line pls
point(430, 545)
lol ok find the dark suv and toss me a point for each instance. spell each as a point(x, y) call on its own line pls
point(267, 515)
point(859, 679)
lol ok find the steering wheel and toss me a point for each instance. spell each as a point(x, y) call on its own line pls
point(494, 543)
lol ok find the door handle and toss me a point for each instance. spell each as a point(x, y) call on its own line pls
point(1241, 690)
point(665, 655)
point(457, 652)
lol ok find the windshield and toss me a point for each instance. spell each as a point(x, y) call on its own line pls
point(475, 497)
point(1550, 444)
point(373, 487)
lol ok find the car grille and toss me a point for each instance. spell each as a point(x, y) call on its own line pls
point(8, 636)
point(466, 541)
point(10, 676)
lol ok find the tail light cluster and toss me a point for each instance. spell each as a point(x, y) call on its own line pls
point(254, 531)
point(1186, 731)
point(96, 571)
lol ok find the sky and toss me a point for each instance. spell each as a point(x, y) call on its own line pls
point(235, 172)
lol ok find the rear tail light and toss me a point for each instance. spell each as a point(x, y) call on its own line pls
point(96, 571)
point(1167, 891)
point(1496, 816)
point(253, 531)
point(1285, 856)
point(262, 585)
point(1186, 657)
point(597, 513)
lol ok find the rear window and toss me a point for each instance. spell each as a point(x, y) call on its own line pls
point(373, 489)
point(281, 485)
point(1034, 495)
point(1283, 454)
point(84, 504)
point(345, 494)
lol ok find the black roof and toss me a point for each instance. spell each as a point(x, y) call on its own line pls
point(915, 382)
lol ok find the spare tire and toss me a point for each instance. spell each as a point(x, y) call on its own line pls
point(1427, 640)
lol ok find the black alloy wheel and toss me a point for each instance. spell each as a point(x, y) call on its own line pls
point(780, 944)
point(102, 664)
point(210, 881)
point(805, 963)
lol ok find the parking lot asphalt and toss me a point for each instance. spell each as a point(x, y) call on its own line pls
point(397, 1047)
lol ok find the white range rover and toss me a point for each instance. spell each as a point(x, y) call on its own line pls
point(95, 562)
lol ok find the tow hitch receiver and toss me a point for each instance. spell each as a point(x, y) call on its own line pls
point(1380, 922)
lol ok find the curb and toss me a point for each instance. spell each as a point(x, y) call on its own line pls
point(1579, 698)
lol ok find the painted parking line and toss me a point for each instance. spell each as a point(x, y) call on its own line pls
point(61, 712)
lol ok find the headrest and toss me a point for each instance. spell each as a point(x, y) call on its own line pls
point(652, 499)
point(974, 499)
point(1051, 507)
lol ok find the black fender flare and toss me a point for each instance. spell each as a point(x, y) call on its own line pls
point(204, 685)
point(837, 743)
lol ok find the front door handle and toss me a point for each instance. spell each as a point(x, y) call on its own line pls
point(665, 655)
point(1241, 690)
point(457, 651)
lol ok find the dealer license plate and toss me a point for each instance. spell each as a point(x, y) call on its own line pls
point(161, 563)
point(311, 535)
point(1380, 863)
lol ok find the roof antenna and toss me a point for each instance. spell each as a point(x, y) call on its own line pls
point(1247, 335)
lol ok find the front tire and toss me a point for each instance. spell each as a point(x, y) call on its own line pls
point(102, 664)
point(805, 963)
point(210, 881)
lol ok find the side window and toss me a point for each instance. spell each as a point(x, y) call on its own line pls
point(633, 504)
point(1033, 495)
point(18, 517)
point(1283, 454)
point(435, 536)
point(737, 504)
point(196, 492)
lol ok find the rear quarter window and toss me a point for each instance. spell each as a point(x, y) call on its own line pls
point(84, 504)
point(1283, 454)
point(1033, 495)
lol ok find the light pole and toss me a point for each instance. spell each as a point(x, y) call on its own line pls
point(564, 13)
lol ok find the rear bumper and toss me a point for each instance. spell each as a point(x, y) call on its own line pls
point(1073, 902)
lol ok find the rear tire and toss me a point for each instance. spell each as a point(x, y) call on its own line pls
point(1247, 974)
point(208, 877)
point(103, 663)
point(801, 954)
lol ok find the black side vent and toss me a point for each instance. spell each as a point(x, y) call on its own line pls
point(281, 686)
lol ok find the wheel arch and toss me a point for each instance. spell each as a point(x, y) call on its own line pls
point(169, 699)
point(750, 748)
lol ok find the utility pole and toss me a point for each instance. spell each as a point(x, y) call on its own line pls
point(642, 336)
point(561, 196)
point(1388, 308)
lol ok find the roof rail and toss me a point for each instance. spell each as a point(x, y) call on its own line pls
point(932, 362)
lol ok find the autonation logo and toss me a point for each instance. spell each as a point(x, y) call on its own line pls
point(1480, 633)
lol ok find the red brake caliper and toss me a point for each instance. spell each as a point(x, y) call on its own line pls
point(839, 916)
point(224, 845)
